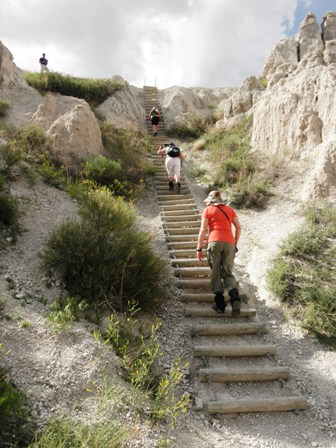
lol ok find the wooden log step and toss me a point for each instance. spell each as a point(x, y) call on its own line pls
point(181, 224)
point(184, 211)
point(192, 271)
point(204, 297)
point(181, 253)
point(209, 312)
point(182, 245)
point(171, 193)
point(224, 375)
point(228, 329)
point(174, 199)
point(180, 218)
point(182, 231)
point(181, 200)
point(234, 350)
point(187, 262)
point(274, 404)
point(197, 283)
point(168, 208)
point(173, 238)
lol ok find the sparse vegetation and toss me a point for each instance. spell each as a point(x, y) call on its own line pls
point(101, 258)
point(94, 91)
point(235, 168)
point(4, 106)
point(16, 427)
point(191, 128)
point(303, 275)
point(69, 433)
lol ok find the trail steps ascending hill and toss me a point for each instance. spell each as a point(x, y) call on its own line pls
point(231, 355)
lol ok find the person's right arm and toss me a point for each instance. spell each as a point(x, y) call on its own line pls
point(237, 226)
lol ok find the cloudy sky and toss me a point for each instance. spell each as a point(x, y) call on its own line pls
point(208, 43)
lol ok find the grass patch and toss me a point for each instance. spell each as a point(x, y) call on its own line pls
point(70, 433)
point(4, 106)
point(236, 170)
point(16, 428)
point(303, 275)
point(94, 91)
point(191, 128)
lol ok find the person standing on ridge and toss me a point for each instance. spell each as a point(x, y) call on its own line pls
point(222, 246)
point(43, 63)
point(173, 164)
point(155, 117)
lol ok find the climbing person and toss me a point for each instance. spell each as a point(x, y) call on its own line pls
point(155, 118)
point(43, 63)
point(221, 248)
point(173, 164)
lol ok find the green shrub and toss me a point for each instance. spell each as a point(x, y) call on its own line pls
point(9, 210)
point(30, 139)
point(4, 106)
point(10, 155)
point(94, 91)
point(16, 429)
point(303, 277)
point(70, 433)
point(102, 258)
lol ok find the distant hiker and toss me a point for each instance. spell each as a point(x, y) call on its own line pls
point(43, 63)
point(222, 245)
point(155, 117)
point(173, 164)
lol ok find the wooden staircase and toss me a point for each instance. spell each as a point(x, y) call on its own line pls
point(229, 354)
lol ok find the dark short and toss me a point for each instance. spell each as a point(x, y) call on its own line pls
point(155, 119)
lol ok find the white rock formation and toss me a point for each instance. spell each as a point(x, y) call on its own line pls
point(125, 107)
point(72, 126)
point(297, 113)
point(69, 121)
point(179, 103)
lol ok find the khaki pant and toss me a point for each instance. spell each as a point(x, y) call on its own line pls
point(220, 257)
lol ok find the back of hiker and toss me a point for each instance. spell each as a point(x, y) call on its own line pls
point(155, 116)
point(43, 63)
point(173, 164)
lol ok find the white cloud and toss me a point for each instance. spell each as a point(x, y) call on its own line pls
point(176, 42)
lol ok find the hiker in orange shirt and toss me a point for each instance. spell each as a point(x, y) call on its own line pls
point(222, 246)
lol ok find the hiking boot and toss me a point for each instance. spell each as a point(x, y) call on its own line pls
point(154, 134)
point(178, 187)
point(171, 185)
point(219, 305)
point(214, 307)
point(235, 302)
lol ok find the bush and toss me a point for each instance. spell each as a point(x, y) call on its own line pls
point(16, 429)
point(10, 155)
point(303, 277)
point(94, 91)
point(29, 140)
point(9, 210)
point(102, 258)
point(4, 106)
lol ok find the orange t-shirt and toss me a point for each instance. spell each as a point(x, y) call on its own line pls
point(219, 226)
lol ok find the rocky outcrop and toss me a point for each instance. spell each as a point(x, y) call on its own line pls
point(243, 99)
point(69, 121)
point(321, 183)
point(125, 108)
point(297, 113)
point(72, 127)
point(179, 103)
point(13, 87)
